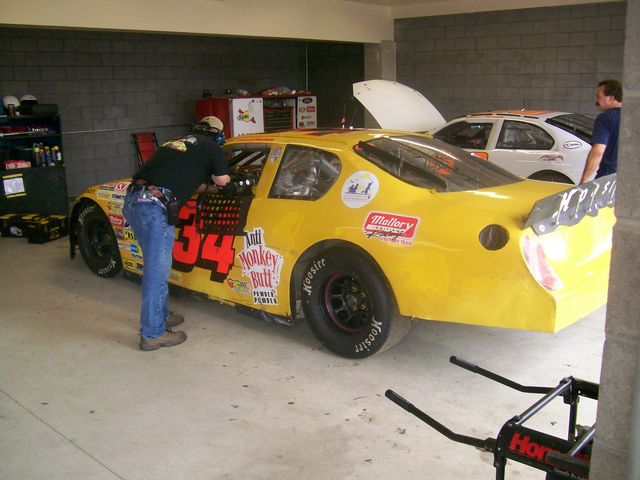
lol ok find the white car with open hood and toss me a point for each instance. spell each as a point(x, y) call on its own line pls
point(541, 145)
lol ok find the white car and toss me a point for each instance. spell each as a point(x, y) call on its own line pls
point(541, 145)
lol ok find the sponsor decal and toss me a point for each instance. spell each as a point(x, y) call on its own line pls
point(262, 265)
point(129, 264)
point(117, 220)
point(245, 116)
point(301, 109)
point(135, 249)
point(107, 187)
point(238, 286)
point(311, 108)
point(275, 153)
point(522, 445)
point(103, 195)
point(129, 235)
point(119, 232)
point(315, 267)
point(376, 329)
point(570, 145)
point(391, 227)
point(359, 189)
point(114, 207)
point(551, 158)
point(117, 196)
point(307, 99)
point(122, 186)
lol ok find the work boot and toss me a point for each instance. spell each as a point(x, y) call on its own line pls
point(169, 339)
point(174, 319)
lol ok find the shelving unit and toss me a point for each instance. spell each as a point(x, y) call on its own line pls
point(39, 189)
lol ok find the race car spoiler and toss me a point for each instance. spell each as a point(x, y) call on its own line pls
point(570, 206)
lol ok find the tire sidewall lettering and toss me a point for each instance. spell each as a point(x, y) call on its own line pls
point(312, 270)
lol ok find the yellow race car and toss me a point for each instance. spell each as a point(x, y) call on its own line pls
point(362, 231)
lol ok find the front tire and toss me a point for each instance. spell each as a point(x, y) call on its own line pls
point(97, 241)
point(349, 307)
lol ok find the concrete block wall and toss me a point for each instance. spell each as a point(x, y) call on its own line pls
point(540, 58)
point(110, 84)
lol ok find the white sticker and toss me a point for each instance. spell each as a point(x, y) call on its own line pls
point(359, 189)
point(13, 186)
point(275, 153)
point(570, 145)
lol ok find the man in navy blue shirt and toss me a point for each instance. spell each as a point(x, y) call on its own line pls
point(603, 157)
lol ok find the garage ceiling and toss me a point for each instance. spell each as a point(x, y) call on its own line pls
point(419, 8)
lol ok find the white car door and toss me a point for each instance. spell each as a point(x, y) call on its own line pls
point(525, 149)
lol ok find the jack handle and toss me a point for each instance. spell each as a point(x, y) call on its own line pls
point(487, 445)
point(497, 378)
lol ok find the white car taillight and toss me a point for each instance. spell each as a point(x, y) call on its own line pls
point(538, 263)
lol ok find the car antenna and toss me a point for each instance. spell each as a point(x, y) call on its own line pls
point(343, 120)
point(355, 108)
point(523, 107)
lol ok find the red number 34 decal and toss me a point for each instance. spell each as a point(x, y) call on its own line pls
point(210, 251)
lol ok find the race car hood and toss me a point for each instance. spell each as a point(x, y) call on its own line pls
point(396, 106)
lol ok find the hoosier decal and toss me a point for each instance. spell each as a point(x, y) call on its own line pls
point(263, 266)
point(391, 228)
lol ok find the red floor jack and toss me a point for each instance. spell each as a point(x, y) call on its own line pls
point(560, 458)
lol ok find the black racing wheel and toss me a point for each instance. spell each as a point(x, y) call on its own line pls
point(97, 241)
point(349, 307)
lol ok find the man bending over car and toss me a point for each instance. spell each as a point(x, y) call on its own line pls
point(159, 188)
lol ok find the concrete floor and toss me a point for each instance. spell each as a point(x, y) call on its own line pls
point(243, 399)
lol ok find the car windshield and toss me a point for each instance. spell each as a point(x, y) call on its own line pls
point(432, 164)
point(579, 125)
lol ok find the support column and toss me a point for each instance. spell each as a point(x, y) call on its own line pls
point(616, 452)
point(379, 63)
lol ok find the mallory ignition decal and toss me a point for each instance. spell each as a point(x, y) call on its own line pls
point(359, 189)
point(262, 265)
point(391, 228)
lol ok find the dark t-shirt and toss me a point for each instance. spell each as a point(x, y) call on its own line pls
point(605, 131)
point(182, 165)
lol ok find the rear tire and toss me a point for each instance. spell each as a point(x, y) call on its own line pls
point(549, 176)
point(349, 307)
point(97, 241)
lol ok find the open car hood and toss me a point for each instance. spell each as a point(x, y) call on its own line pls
point(396, 106)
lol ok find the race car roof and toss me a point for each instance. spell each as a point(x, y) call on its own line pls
point(397, 106)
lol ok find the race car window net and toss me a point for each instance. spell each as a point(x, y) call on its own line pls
point(428, 163)
point(246, 160)
point(305, 173)
point(579, 125)
point(466, 134)
point(523, 136)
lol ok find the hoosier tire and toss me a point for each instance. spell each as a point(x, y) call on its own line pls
point(349, 307)
point(97, 242)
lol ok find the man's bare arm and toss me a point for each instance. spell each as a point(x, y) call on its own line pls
point(593, 162)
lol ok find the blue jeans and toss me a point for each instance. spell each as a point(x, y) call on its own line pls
point(148, 219)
